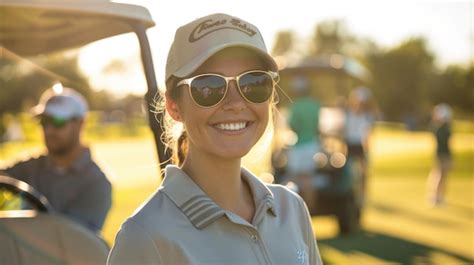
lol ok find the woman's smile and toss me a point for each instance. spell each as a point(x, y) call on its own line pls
point(234, 126)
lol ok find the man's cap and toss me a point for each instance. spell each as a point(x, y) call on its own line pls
point(198, 40)
point(64, 103)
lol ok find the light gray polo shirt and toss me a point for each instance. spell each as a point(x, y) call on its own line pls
point(180, 224)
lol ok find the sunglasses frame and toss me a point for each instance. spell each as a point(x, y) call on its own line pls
point(56, 123)
point(187, 81)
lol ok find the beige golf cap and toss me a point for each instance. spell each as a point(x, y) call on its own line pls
point(197, 41)
point(64, 103)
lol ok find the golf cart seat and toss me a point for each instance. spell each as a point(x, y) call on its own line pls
point(38, 236)
point(48, 239)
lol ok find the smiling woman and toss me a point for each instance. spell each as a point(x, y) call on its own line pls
point(209, 209)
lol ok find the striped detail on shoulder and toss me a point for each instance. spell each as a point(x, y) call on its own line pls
point(201, 211)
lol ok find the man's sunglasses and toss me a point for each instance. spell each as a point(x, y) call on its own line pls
point(46, 121)
point(208, 90)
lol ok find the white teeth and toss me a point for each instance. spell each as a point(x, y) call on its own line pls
point(231, 126)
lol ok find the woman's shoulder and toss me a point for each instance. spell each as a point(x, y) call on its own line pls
point(289, 206)
point(278, 188)
point(282, 195)
point(157, 209)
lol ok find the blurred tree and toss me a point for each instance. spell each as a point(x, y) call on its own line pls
point(404, 79)
point(102, 101)
point(470, 87)
point(283, 43)
point(454, 86)
point(329, 37)
point(400, 78)
point(23, 81)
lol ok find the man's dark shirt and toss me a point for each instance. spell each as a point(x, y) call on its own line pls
point(81, 192)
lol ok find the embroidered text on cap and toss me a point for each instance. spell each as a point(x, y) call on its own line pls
point(208, 26)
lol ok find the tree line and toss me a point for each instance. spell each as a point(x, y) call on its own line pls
point(404, 79)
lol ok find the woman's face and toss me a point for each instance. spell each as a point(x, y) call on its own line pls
point(230, 129)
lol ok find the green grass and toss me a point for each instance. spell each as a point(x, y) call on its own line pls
point(399, 153)
point(398, 225)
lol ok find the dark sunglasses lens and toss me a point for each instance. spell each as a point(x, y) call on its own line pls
point(256, 87)
point(208, 90)
point(55, 122)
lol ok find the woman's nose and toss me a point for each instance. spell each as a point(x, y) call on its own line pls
point(234, 100)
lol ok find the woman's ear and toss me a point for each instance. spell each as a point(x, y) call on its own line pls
point(173, 109)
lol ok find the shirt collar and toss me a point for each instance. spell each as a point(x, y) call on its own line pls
point(197, 206)
point(262, 195)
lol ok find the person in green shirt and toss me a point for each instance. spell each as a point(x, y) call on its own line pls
point(304, 121)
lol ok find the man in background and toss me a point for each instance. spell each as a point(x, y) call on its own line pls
point(66, 175)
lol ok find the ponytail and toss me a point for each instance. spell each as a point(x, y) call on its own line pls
point(178, 145)
point(181, 149)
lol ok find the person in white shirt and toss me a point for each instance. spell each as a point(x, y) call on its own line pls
point(359, 121)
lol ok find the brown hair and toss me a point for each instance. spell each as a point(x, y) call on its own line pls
point(178, 144)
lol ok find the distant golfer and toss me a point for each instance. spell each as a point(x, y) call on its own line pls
point(441, 126)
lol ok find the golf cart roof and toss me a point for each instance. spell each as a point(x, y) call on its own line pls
point(333, 63)
point(31, 27)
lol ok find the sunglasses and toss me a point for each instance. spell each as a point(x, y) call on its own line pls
point(46, 121)
point(208, 90)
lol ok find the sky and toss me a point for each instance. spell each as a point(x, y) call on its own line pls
point(447, 26)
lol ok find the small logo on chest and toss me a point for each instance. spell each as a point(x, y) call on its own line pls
point(300, 254)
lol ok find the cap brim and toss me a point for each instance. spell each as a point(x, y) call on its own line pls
point(53, 111)
point(37, 110)
point(199, 60)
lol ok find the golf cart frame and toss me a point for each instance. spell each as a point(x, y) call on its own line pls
point(53, 25)
point(35, 27)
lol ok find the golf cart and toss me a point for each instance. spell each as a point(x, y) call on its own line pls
point(30, 231)
point(336, 179)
